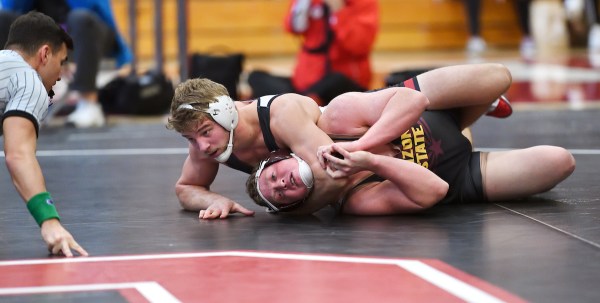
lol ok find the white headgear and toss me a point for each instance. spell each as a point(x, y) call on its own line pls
point(305, 172)
point(223, 111)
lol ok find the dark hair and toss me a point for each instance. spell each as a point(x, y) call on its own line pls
point(34, 29)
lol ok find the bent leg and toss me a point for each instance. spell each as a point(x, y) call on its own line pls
point(470, 87)
point(524, 172)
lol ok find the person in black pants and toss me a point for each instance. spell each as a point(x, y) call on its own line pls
point(95, 35)
point(476, 43)
point(594, 33)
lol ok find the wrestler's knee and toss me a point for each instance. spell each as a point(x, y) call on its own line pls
point(504, 77)
point(564, 161)
point(559, 160)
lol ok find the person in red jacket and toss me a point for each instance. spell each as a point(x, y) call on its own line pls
point(337, 40)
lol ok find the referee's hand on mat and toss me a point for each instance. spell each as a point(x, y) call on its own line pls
point(60, 242)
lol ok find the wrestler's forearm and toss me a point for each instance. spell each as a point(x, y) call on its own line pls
point(26, 174)
point(401, 111)
point(419, 184)
point(196, 198)
point(19, 148)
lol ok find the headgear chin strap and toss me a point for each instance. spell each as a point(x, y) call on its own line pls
point(223, 111)
point(224, 156)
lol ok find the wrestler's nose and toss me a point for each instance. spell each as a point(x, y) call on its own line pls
point(280, 184)
point(201, 145)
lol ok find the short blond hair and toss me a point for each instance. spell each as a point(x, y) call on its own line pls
point(199, 93)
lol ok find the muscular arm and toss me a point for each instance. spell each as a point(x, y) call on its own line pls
point(193, 190)
point(293, 123)
point(19, 147)
point(412, 187)
point(20, 144)
point(193, 186)
point(378, 117)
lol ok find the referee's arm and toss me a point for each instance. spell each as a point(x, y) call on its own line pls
point(20, 142)
point(19, 148)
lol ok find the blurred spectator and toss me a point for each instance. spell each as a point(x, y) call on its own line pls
point(337, 39)
point(30, 65)
point(476, 44)
point(95, 35)
point(594, 34)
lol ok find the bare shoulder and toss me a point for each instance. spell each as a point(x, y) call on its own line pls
point(294, 104)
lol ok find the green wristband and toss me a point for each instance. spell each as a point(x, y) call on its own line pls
point(42, 208)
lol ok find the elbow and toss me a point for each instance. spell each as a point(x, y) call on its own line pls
point(13, 159)
point(436, 193)
point(10, 161)
point(442, 190)
point(180, 193)
point(423, 102)
point(184, 206)
point(565, 163)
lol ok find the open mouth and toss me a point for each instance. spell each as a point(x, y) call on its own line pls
point(213, 154)
point(293, 180)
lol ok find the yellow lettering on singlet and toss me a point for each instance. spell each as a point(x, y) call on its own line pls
point(406, 141)
point(419, 134)
point(422, 155)
point(408, 155)
point(407, 146)
point(420, 150)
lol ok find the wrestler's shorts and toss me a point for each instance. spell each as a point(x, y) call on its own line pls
point(469, 187)
point(410, 83)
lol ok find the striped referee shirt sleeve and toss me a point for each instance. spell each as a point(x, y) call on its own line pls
point(29, 98)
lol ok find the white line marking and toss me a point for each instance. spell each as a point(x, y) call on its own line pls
point(156, 293)
point(573, 151)
point(152, 291)
point(113, 136)
point(110, 259)
point(553, 227)
point(184, 151)
point(110, 152)
point(448, 283)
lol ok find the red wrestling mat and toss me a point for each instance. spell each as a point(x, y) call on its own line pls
point(247, 277)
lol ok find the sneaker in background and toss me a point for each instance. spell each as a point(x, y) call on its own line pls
point(594, 38)
point(527, 48)
point(476, 45)
point(87, 114)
